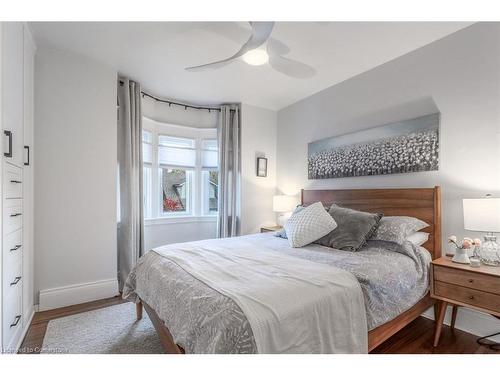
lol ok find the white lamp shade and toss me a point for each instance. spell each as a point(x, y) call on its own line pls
point(482, 215)
point(284, 203)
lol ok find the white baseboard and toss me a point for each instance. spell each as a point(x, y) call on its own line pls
point(472, 321)
point(79, 293)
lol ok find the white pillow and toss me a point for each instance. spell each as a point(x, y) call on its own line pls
point(309, 225)
point(418, 238)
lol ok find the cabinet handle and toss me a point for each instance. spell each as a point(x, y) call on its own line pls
point(15, 248)
point(8, 133)
point(16, 321)
point(16, 280)
point(27, 148)
point(14, 215)
point(471, 280)
point(16, 182)
point(471, 297)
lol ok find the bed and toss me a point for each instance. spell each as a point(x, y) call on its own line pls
point(152, 290)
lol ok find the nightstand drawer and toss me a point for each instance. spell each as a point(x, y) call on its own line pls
point(485, 300)
point(467, 279)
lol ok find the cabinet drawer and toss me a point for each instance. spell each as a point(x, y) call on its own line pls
point(467, 279)
point(12, 245)
point(12, 278)
point(12, 319)
point(473, 297)
point(12, 181)
point(12, 215)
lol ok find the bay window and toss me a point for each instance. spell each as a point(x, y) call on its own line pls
point(180, 171)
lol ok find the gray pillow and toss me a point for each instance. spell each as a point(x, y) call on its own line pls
point(353, 230)
point(398, 228)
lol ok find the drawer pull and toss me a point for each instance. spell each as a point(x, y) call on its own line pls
point(27, 148)
point(16, 280)
point(16, 182)
point(8, 133)
point(16, 321)
point(14, 215)
point(16, 248)
point(471, 280)
point(471, 297)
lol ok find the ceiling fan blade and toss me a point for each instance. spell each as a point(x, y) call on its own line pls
point(291, 67)
point(212, 65)
point(260, 33)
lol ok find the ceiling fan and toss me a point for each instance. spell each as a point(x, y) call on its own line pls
point(260, 49)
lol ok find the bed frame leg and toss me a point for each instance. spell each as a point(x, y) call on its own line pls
point(138, 310)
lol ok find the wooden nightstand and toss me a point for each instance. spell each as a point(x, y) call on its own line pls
point(461, 285)
point(274, 228)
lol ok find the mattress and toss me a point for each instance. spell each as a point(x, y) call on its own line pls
point(202, 320)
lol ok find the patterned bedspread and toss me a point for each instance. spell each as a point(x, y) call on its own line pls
point(201, 320)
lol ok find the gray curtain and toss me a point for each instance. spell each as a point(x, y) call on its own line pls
point(228, 134)
point(131, 229)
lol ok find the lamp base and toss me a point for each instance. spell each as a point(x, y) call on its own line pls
point(283, 218)
point(490, 251)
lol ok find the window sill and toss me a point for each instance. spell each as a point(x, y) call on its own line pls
point(180, 220)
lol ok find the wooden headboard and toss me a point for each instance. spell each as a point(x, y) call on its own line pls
point(422, 203)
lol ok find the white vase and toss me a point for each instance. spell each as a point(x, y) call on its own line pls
point(461, 256)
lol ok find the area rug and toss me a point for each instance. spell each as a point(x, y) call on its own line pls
point(110, 330)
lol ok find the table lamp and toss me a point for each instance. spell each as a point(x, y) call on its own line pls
point(483, 215)
point(284, 204)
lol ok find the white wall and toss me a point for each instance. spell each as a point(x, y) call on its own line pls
point(258, 139)
point(162, 112)
point(459, 75)
point(75, 179)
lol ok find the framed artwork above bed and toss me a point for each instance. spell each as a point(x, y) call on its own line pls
point(400, 147)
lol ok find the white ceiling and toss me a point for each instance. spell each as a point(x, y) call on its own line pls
point(156, 53)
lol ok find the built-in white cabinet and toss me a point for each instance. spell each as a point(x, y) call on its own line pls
point(13, 91)
point(16, 107)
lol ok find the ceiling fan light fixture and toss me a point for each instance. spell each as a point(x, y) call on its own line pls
point(256, 57)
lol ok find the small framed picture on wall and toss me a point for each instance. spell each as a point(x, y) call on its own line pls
point(261, 167)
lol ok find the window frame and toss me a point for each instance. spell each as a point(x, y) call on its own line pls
point(199, 208)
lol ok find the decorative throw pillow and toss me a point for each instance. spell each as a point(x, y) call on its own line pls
point(418, 238)
point(398, 228)
point(353, 228)
point(308, 224)
point(282, 233)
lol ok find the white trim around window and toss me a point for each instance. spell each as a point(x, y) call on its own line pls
point(198, 211)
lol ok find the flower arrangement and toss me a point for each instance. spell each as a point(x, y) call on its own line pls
point(462, 247)
point(467, 243)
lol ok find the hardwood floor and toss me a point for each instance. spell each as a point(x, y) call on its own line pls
point(416, 338)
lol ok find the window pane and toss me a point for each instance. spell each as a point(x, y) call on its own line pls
point(209, 144)
point(177, 156)
point(175, 190)
point(147, 136)
point(210, 191)
point(165, 140)
point(147, 153)
point(209, 159)
point(147, 191)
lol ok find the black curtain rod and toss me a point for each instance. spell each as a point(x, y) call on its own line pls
point(171, 103)
point(186, 106)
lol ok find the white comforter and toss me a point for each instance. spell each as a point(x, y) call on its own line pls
point(293, 305)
